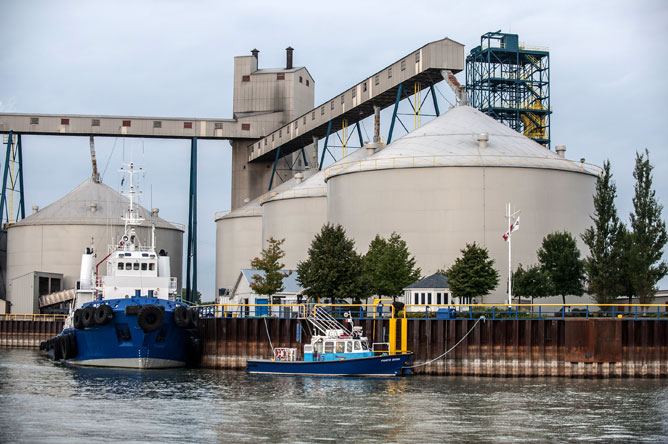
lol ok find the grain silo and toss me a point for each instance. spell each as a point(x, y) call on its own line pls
point(239, 236)
point(298, 213)
point(447, 184)
point(52, 240)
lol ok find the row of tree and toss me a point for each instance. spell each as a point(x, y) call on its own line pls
point(335, 271)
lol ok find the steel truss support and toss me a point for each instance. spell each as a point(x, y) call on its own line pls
point(324, 149)
point(433, 96)
point(12, 182)
point(191, 286)
point(394, 113)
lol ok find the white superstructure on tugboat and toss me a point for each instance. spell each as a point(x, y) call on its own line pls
point(129, 317)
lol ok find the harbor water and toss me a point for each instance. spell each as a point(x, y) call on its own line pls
point(55, 403)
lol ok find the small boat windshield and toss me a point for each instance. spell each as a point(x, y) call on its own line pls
point(340, 345)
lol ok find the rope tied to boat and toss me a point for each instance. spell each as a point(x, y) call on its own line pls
point(481, 318)
point(266, 327)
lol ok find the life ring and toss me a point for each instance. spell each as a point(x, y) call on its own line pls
point(88, 316)
point(103, 314)
point(280, 354)
point(194, 317)
point(150, 318)
point(78, 319)
point(181, 316)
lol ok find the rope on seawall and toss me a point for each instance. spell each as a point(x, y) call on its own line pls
point(269, 337)
point(481, 318)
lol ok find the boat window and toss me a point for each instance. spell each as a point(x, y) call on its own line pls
point(318, 346)
point(329, 346)
point(357, 345)
point(365, 345)
point(151, 266)
point(128, 266)
point(120, 265)
point(349, 346)
point(135, 266)
point(340, 346)
point(144, 266)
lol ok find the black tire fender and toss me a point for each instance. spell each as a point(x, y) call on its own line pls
point(194, 317)
point(78, 319)
point(88, 316)
point(103, 314)
point(150, 318)
point(181, 316)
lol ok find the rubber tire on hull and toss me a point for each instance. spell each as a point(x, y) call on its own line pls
point(72, 349)
point(194, 318)
point(103, 314)
point(78, 319)
point(88, 316)
point(181, 316)
point(57, 352)
point(150, 318)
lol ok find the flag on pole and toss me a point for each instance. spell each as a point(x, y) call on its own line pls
point(513, 227)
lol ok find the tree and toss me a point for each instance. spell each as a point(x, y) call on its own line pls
point(649, 233)
point(532, 282)
point(605, 240)
point(389, 267)
point(473, 274)
point(333, 269)
point(559, 257)
point(269, 262)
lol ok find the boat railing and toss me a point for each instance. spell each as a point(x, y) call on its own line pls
point(380, 347)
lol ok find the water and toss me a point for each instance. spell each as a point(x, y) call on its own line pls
point(45, 402)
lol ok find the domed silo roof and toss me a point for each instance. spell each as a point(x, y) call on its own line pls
point(443, 185)
point(239, 236)
point(298, 213)
point(53, 239)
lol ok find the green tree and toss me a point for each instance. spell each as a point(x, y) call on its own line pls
point(649, 233)
point(473, 274)
point(605, 240)
point(333, 269)
point(559, 257)
point(389, 266)
point(531, 282)
point(269, 261)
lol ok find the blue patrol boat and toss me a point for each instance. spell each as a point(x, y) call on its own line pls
point(130, 317)
point(335, 351)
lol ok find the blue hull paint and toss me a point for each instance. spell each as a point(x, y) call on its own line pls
point(103, 345)
point(386, 365)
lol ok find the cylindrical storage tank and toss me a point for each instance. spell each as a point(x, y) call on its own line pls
point(238, 241)
point(54, 238)
point(447, 184)
point(239, 236)
point(298, 213)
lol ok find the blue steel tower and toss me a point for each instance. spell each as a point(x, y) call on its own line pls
point(511, 83)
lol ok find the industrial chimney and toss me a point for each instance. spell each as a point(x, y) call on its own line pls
point(255, 52)
point(288, 53)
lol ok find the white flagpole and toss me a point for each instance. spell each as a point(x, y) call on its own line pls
point(510, 273)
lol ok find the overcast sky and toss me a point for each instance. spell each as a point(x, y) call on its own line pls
point(175, 58)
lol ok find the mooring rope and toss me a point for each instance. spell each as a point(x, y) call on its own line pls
point(481, 318)
point(269, 337)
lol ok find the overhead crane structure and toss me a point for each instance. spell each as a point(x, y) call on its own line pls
point(274, 118)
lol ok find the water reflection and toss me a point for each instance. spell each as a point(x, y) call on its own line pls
point(59, 403)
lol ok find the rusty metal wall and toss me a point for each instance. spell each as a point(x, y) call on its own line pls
point(572, 347)
point(27, 333)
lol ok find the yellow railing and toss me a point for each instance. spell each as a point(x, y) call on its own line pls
point(31, 317)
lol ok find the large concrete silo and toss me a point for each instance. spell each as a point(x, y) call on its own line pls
point(53, 239)
point(447, 184)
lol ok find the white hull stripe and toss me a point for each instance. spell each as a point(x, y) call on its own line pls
point(129, 363)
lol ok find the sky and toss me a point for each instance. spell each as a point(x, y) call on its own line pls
point(175, 59)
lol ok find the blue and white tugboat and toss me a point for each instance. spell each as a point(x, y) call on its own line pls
point(130, 317)
point(333, 351)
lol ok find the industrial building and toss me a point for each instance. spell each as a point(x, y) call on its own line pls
point(50, 242)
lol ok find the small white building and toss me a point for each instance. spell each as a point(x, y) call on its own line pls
point(430, 293)
point(244, 301)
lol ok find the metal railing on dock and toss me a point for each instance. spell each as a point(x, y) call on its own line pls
point(385, 309)
point(32, 317)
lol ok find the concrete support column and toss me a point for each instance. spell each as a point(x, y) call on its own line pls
point(314, 149)
point(376, 124)
point(249, 180)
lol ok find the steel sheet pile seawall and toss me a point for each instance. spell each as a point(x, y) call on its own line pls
point(27, 333)
point(600, 348)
